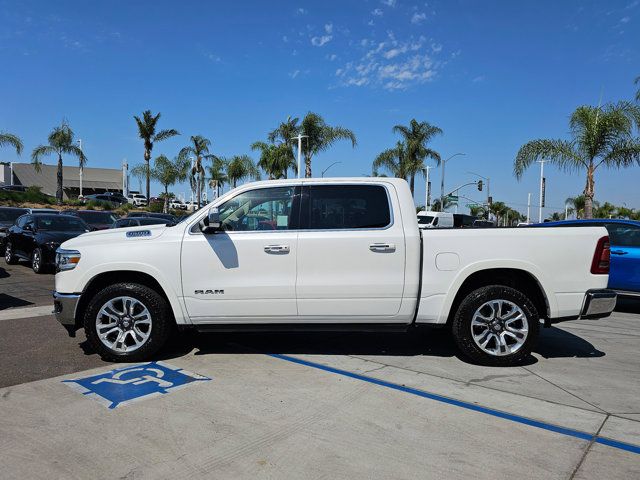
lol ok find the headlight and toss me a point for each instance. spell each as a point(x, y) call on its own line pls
point(66, 259)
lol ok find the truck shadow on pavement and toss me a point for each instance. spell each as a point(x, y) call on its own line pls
point(553, 343)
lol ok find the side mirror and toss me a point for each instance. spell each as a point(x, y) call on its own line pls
point(211, 223)
point(28, 228)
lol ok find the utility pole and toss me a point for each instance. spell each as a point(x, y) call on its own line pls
point(427, 190)
point(81, 167)
point(125, 177)
point(528, 207)
point(299, 138)
point(541, 162)
point(442, 180)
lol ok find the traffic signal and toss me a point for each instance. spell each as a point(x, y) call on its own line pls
point(480, 185)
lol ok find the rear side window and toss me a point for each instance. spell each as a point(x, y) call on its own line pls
point(622, 235)
point(334, 207)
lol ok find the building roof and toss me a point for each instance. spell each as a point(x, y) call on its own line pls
point(102, 178)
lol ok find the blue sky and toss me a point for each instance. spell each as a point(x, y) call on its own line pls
point(492, 75)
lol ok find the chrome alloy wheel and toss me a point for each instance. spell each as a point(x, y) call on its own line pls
point(499, 327)
point(123, 324)
point(36, 261)
point(7, 252)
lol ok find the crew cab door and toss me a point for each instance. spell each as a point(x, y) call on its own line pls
point(625, 256)
point(351, 253)
point(247, 271)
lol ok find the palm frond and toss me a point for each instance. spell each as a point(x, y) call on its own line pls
point(165, 134)
point(12, 141)
point(560, 152)
point(39, 152)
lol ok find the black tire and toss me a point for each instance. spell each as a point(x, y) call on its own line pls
point(37, 262)
point(9, 256)
point(462, 326)
point(162, 321)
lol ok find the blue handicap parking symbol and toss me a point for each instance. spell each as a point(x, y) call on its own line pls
point(123, 385)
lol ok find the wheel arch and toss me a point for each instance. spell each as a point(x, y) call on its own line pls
point(518, 278)
point(101, 280)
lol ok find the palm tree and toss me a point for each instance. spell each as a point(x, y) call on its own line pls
point(167, 173)
point(607, 210)
point(60, 143)
point(147, 132)
point(275, 160)
point(12, 141)
point(320, 137)
point(394, 160)
point(416, 136)
point(637, 82)
point(576, 205)
point(285, 133)
point(217, 174)
point(240, 167)
point(477, 210)
point(499, 209)
point(436, 207)
point(199, 149)
point(600, 136)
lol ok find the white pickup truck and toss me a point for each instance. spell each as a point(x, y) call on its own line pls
point(335, 254)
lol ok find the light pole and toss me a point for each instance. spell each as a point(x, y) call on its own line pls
point(541, 162)
point(488, 187)
point(427, 189)
point(299, 138)
point(325, 170)
point(528, 207)
point(81, 167)
point(442, 180)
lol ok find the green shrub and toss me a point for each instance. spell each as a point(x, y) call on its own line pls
point(156, 207)
point(32, 195)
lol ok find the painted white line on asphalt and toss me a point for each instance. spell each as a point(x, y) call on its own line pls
point(26, 312)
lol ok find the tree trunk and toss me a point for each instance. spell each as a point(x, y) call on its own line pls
point(147, 159)
point(166, 199)
point(589, 193)
point(59, 177)
point(307, 166)
point(412, 184)
point(198, 180)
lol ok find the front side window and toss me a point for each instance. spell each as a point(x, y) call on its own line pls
point(258, 210)
point(425, 219)
point(61, 224)
point(348, 206)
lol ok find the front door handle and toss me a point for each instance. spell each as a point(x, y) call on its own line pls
point(382, 247)
point(618, 252)
point(277, 249)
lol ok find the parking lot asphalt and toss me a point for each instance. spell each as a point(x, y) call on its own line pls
point(321, 405)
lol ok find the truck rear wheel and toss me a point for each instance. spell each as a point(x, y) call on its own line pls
point(496, 325)
point(127, 322)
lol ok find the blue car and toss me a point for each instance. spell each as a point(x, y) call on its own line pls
point(624, 237)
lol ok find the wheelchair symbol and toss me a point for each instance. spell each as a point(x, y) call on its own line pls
point(156, 377)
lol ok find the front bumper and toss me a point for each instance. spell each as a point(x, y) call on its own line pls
point(598, 303)
point(64, 308)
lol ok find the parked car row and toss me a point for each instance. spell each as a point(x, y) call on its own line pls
point(429, 219)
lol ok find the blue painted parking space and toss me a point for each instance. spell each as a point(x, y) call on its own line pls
point(125, 385)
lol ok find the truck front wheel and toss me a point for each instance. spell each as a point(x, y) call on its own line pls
point(496, 325)
point(127, 322)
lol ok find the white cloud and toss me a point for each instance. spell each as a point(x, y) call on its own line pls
point(321, 40)
point(625, 19)
point(212, 57)
point(478, 79)
point(294, 74)
point(418, 18)
point(377, 12)
point(370, 23)
point(392, 64)
point(301, 11)
point(332, 57)
point(285, 39)
point(389, 3)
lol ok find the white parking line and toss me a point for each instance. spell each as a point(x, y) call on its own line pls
point(26, 312)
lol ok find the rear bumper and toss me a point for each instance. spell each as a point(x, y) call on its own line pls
point(598, 303)
point(64, 308)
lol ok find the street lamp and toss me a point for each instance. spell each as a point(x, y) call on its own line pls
point(442, 180)
point(325, 170)
point(81, 168)
point(299, 138)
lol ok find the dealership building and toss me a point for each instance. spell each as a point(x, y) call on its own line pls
point(91, 180)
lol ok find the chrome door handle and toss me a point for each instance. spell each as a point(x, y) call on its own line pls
point(618, 252)
point(382, 247)
point(277, 249)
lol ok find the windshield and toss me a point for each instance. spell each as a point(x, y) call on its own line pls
point(425, 219)
point(10, 214)
point(60, 224)
point(94, 218)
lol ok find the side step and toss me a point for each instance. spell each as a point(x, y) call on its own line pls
point(307, 327)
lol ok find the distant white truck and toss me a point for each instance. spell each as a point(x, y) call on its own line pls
point(328, 254)
point(137, 199)
point(428, 219)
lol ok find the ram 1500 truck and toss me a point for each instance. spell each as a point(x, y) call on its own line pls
point(328, 254)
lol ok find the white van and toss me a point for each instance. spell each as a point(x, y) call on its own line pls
point(435, 219)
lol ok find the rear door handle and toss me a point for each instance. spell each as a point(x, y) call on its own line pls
point(277, 249)
point(382, 247)
point(618, 252)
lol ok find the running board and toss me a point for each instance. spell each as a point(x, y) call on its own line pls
point(307, 327)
